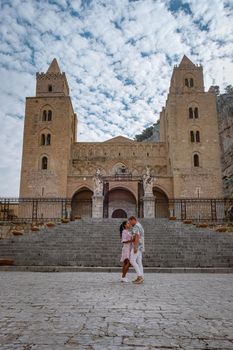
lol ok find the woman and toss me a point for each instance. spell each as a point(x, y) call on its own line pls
point(126, 239)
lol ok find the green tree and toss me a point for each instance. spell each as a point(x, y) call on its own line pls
point(229, 89)
point(146, 133)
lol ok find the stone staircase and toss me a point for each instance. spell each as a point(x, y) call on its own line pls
point(95, 242)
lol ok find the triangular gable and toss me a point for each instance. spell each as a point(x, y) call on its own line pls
point(119, 139)
point(54, 67)
point(186, 62)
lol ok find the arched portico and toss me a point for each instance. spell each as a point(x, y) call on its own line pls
point(81, 203)
point(121, 203)
point(161, 203)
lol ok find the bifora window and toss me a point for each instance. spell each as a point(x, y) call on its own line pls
point(47, 115)
point(45, 140)
point(193, 112)
point(195, 136)
point(189, 82)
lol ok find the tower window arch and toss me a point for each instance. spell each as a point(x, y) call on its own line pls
point(193, 112)
point(195, 136)
point(45, 139)
point(44, 163)
point(47, 114)
point(189, 82)
point(196, 160)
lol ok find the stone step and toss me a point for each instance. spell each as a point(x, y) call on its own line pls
point(97, 243)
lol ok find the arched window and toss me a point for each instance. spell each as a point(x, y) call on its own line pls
point(47, 115)
point(44, 163)
point(44, 116)
point(195, 136)
point(196, 112)
point(48, 139)
point(189, 82)
point(192, 136)
point(42, 140)
point(50, 115)
point(196, 160)
point(50, 88)
point(190, 113)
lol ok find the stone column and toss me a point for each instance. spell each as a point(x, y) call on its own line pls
point(97, 206)
point(149, 206)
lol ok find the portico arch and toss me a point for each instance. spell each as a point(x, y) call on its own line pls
point(81, 203)
point(161, 203)
point(119, 213)
point(121, 201)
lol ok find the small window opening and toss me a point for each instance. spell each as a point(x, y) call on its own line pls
point(190, 113)
point(49, 115)
point(48, 139)
point(196, 112)
point(44, 163)
point(197, 136)
point(196, 160)
point(42, 140)
point(192, 136)
point(50, 88)
point(44, 116)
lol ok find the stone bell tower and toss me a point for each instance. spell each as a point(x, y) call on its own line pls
point(49, 131)
point(190, 130)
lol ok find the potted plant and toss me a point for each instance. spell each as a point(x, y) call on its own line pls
point(35, 228)
point(17, 232)
point(6, 262)
point(221, 229)
point(65, 221)
point(203, 225)
point(50, 224)
point(172, 218)
point(187, 221)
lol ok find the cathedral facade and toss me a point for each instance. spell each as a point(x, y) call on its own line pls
point(121, 177)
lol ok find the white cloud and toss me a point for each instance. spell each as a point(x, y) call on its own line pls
point(117, 55)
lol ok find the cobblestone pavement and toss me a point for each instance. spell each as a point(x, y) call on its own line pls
point(57, 311)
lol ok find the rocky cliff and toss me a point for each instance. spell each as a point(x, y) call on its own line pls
point(225, 121)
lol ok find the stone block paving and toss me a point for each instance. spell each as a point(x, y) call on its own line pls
point(58, 311)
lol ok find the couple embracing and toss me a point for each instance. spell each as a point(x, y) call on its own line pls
point(132, 238)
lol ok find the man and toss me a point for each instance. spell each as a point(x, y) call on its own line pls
point(137, 249)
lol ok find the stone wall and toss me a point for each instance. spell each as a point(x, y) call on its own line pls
point(225, 122)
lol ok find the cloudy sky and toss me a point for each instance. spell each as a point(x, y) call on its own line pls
point(118, 56)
